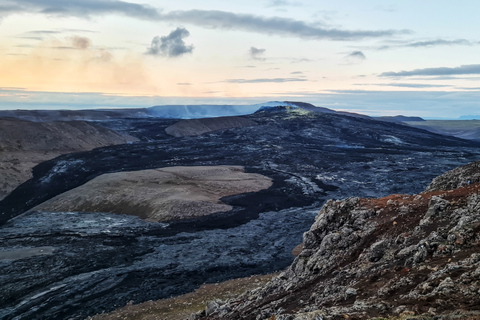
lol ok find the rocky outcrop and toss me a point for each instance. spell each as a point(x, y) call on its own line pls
point(24, 144)
point(365, 258)
point(195, 127)
point(458, 177)
point(166, 194)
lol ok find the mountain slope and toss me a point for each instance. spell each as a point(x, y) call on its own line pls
point(24, 144)
point(195, 127)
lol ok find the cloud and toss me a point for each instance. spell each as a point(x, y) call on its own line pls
point(76, 30)
point(355, 57)
point(257, 53)
point(430, 44)
point(469, 88)
point(171, 45)
point(438, 42)
point(80, 42)
point(442, 71)
point(72, 43)
point(405, 85)
point(283, 3)
point(264, 80)
point(42, 32)
point(215, 19)
point(79, 8)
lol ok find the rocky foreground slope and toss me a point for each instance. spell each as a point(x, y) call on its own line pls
point(24, 144)
point(363, 258)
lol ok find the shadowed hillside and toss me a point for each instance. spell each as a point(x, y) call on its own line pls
point(24, 144)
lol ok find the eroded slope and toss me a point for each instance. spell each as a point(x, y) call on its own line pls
point(24, 144)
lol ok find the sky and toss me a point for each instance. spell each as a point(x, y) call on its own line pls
point(376, 57)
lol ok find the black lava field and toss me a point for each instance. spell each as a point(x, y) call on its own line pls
point(88, 263)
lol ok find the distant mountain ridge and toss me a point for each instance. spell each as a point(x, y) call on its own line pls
point(399, 118)
point(469, 117)
point(162, 111)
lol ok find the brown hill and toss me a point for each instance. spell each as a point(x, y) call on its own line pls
point(171, 193)
point(24, 144)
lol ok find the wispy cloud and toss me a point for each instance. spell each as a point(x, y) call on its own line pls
point(42, 32)
point(283, 3)
point(171, 45)
point(354, 57)
point(215, 19)
point(405, 85)
point(357, 55)
point(430, 44)
point(469, 88)
point(79, 8)
point(442, 71)
point(81, 42)
point(257, 53)
point(264, 80)
point(73, 43)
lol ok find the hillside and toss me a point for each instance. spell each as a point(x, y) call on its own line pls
point(195, 127)
point(24, 144)
point(363, 258)
point(165, 194)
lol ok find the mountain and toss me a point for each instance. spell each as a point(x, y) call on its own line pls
point(399, 118)
point(396, 256)
point(162, 111)
point(469, 117)
point(464, 129)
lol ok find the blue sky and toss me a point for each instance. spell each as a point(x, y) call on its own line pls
point(374, 57)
